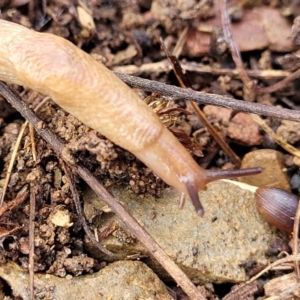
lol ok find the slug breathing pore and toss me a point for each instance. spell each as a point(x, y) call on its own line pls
point(86, 89)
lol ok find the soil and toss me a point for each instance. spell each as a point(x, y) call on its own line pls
point(123, 34)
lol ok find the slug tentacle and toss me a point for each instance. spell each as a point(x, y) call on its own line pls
point(170, 161)
point(223, 174)
point(194, 196)
point(85, 88)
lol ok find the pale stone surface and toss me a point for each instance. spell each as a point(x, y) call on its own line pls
point(207, 249)
point(124, 280)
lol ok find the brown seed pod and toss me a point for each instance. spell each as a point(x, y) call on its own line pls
point(277, 206)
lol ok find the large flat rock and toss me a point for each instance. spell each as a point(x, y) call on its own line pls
point(118, 281)
point(208, 249)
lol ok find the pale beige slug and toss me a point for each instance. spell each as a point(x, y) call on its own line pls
point(85, 88)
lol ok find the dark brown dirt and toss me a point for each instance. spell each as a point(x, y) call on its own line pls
point(118, 26)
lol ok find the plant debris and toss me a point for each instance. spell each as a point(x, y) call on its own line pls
point(125, 36)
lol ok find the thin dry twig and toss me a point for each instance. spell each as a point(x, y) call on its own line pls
point(31, 241)
point(13, 203)
point(199, 68)
point(185, 83)
point(12, 161)
point(57, 145)
point(15, 151)
point(33, 146)
point(296, 234)
point(242, 292)
point(235, 53)
point(289, 258)
point(278, 139)
point(82, 220)
point(213, 99)
point(279, 85)
point(219, 139)
point(236, 56)
point(181, 42)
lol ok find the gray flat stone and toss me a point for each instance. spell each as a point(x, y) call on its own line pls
point(207, 249)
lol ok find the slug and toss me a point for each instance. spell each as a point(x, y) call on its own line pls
point(86, 89)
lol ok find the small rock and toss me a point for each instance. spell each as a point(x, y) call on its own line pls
point(220, 114)
point(60, 217)
point(79, 264)
point(125, 55)
point(208, 249)
point(289, 131)
point(295, 182)
point(272, 163)
point(119, 280)
point(276, 25)
point(244, 130)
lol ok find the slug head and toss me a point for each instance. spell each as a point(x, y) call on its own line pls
point(174, 165)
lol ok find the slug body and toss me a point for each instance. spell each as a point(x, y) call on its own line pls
point(88, 90)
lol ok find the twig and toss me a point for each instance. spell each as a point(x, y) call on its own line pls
point(12, 161)
point(243, 292)
point(296, 234)
point(218, 138)
point(279, 85)
point(131, 223)
point(31, 241)
point(181, 42)
point(185, 83)
point(15, 150)
point(13, 203)
point(236, 56)
point(213, 99)
point(289, 258)
point(33, 146)
point(235, 53)
point(31, 131)
point(82, 220)
point(199, 68)
point(278, 139)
